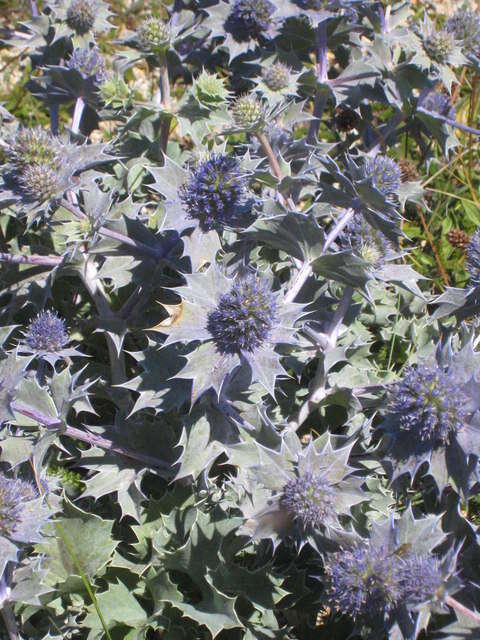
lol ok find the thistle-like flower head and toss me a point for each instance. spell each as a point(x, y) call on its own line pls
point(34, 146)
point(46, 333)
point(370, 581)
point(385, 174)
point(81, 16)
point(248, 113)
point(430, 418)
point(13, 495)
point(392, 576)
point(367, 241)
point(251, 17)
point(277, 76)
point(430, 404)
point(309, 499)
point(89, 62)
point(154, 34)
point(465, 27)
point(301, 493)
point(214, 192)
point(473, 259)
point(244, 317)
point(239, 323)
point(439, 45)
point(437, 102)
point(39, 182)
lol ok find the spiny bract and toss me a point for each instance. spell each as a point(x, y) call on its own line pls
point(154, 34)
point(385, 174)
point(309, 499)
point(248, 113)
point(465, 26)
point(439, 46)
point(33, 146)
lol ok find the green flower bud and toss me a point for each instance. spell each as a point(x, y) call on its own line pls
point(277, 76)
point(154, 35)
point(248, 113)
point(39, 182)
point(209, 90)
point(115, 93)
point(439, 46)
point(33, 146)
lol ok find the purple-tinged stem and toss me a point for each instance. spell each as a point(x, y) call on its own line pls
point(44, 261)
point(165, 102)
point(91, 438)
point(34, 9)
point(322, 78)
point(458, 606)
point(337, 230)
point(141, 247)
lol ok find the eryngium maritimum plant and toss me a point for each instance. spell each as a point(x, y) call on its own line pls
point(465, 26)
point(215, 193)
point(33, 147)
point(248, 113)
point(154, 35)
point(46, 333)
point(239, 322)
point(385, 174)
point(367, 242)
point(13, 494)
point(89, 62)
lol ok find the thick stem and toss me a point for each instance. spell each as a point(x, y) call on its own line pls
point(44, 261)
point(322, 77)
point(115, 235)
point(318, 389)
point(92, 439)
point(165, 102)
point(337, 230)
point(458, 606)
point(34, 9)
point(9, 622)
point(77, 115)
point(267, 149)
point(54, 126)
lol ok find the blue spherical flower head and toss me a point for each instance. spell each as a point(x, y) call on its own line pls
point(473, 259)
point(89, 62)
point(46, 333)
point(309, 499)
point(13, 494)
point(465, 27)
point(437, 102)
point(215, 192)
point(244, 317)
point(369, 581)
point(385, 173)
point(251, 17)
point(430, 405)
point(81, 16)
point(366, 241)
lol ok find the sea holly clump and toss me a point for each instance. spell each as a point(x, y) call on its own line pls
point(209, 90)
point(46, 333)
point(14, 492)
point(248, 113)
point(215, 192)
point(251, 17)
point(277, 76)
point(89, 63)
point(154, 35)
point(81, 16)
point(473, 259)
point(385, 174)
point(465, 27)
